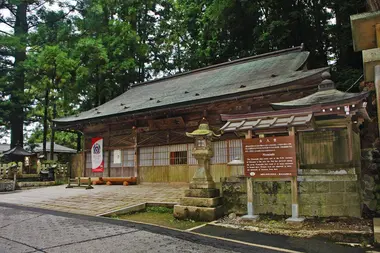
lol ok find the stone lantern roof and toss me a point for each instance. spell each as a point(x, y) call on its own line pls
point(203, 131)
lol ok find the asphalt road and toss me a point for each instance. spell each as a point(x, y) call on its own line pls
point(279, 241)
point(26, 229)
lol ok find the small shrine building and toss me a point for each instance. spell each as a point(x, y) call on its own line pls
point(325, 126)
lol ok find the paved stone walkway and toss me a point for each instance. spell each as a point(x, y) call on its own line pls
point(99, 200)
point(31, 231)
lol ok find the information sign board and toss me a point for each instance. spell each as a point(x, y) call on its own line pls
point(270, 157)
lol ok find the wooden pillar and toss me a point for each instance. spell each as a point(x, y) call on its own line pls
point(122, 162)
point(377, 87)
point(136, 155)
point(378, 35)
point(83, 157)
point(377, 78)
point(294, 186)
point(108, 173)
point(109, 163)
point(250, 191)
point(350, 141)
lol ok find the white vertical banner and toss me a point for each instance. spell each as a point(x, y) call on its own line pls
point(97, 160)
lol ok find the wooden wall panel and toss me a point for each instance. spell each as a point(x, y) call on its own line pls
point(218, 171)
point(323, 147)
point(76, 165)
point(122, 172)
point(178, 173)
point(116, 172)
point(316, 148)
point(154, 174)
point(128, 172)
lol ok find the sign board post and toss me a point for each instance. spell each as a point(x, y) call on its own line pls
point(250, 208)
point(272, 157)
point(295, 211)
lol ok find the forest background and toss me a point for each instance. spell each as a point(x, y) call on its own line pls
point(58, 58)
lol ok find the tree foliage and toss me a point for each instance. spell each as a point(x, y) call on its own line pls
point(55, 63)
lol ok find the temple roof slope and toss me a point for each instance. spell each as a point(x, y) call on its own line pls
point(230, 79)
point(57, 148)
point(326, 95)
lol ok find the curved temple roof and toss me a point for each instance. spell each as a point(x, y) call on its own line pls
point(223, 80)
point(326, 95)
point(17, 151)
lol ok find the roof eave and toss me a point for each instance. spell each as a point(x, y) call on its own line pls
point(358, 98)
point(238, 95)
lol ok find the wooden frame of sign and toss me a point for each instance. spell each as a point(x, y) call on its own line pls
point(271, 159)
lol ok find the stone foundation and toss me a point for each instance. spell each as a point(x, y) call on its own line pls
point(198, 213)
point(334, 198)
point(199, 204)
point(6, 185)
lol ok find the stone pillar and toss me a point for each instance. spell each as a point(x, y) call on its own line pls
point(202, 202)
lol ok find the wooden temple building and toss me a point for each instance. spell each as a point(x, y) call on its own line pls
point(267, 94)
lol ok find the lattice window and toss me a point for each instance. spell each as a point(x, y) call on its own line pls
point(178, 154)
point(146, 156)
point(128, 158)
point(235, 149)
point(220, 152)
point(178, 157)
point(161, 155)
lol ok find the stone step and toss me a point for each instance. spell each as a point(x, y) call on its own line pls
point(201, 202)
point(198, 213)
point(202, 193)
point(202, 185)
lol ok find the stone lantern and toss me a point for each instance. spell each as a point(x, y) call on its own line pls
point(202, 201)
point(202, 152)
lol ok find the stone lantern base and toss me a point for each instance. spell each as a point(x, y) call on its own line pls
point(200, 204)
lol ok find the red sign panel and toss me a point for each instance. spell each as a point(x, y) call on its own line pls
point(270, 157)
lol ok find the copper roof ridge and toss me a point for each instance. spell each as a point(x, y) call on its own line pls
point(249, 58)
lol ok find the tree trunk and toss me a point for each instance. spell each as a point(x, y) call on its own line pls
point(53, 132)
point(17, 97)
point(45, 121)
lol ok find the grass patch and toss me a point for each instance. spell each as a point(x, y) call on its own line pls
point(159, 215)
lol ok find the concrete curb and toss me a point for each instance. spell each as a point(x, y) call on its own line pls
point(136, 208)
